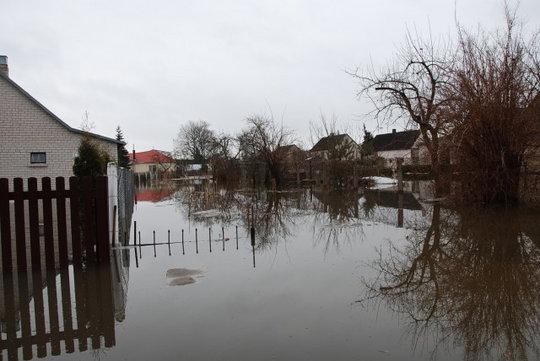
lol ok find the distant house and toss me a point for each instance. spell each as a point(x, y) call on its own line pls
point(337, 147)
point(292, 153)
point(406, 145)
point(152, 164)
point(34, 142)
point(294, 159)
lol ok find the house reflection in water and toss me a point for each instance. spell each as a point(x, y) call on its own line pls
point(391, 199)
point(36, 316)
point(154, 194)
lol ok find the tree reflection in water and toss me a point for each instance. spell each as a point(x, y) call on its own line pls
point(271, 213)
point(471, 279)
point(336, 215)
point(337, 219)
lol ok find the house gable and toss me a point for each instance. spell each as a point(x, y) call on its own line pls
point(27, 127)
point(51, 114)
point(328, 142)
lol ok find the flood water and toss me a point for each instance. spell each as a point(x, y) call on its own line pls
point(369, 275)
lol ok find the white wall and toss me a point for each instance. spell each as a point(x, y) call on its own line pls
point(145, 167)
point(25, 128)
point(391, 155)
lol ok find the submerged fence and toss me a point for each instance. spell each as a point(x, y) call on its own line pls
point(68, 224)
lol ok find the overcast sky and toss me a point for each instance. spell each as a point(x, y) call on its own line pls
point(150, 66)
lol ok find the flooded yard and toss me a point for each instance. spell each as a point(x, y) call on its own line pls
point(369, 275)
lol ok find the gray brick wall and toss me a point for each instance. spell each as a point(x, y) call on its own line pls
point(26, 128)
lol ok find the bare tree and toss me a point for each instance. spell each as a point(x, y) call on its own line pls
point(260, 141)
point(196, 141)
point(497, 85)
point(163, 161)
point(414, 89)
point(323, 128)
point(224, 159)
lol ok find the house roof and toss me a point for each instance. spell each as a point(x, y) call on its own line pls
point(289, 148)
point(52, 115)
point(329, 142)
point(395, 141)
point(151, 156)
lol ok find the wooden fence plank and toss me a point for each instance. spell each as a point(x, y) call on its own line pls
point(61, 222)
point(94, 306)
point(48, 223)
point(53, 311)
point(5, 227)
point(20, 236)
point(75, 218)
point(11, 322)
point(24, 306)
point(80, 305)
point(39, 311)
point(102, 219)
point(33, 216)
point(66, 310)
point(37, 279)
point(88, 220)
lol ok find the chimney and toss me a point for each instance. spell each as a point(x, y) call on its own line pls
point(394, 131)
point(4, 65)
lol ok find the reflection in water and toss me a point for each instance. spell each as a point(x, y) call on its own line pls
point(153, 193)
point(271, 213)
point(470, 278)
point(336, 218)
point(81, 313)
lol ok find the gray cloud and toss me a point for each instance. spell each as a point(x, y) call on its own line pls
point(150, 66)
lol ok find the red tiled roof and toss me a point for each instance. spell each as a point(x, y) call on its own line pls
point(151, 156)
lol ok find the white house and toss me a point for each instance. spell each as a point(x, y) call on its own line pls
point(33, 141)
point(336, 146)
point(406, 145)
point(153, 164)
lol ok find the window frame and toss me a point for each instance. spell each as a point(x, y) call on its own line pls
point(32, 162)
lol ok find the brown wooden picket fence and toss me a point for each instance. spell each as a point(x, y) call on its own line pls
point(88, 224)
point(70, 224)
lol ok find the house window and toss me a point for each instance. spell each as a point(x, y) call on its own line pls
point(38, 158)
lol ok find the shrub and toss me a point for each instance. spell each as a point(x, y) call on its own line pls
point(90, 160)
